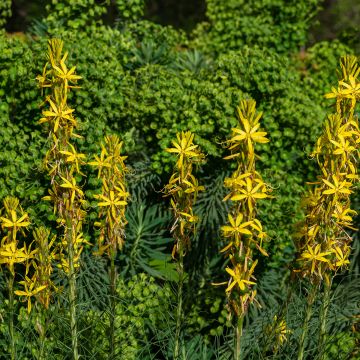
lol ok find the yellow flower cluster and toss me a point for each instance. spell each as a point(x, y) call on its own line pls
point(39, 265)
point(113, 198)
point(183, 188)
point(62, 160)
point(244, 231)
point(13, 221)
point(323, 243)
point(278, 332)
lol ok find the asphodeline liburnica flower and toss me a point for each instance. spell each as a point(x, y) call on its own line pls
point(42, 265)
point(63, 164)
point(62, 160)
point(112, 201)
point(183, 189)
point(244, 232)
point(323, 241)
point(14, 221)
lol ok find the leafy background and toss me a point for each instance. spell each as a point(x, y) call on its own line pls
point(151, 69)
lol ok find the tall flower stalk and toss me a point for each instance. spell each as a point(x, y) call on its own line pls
point(244, 232)
point(113, 201)
point(323, 242)
point(63, 164)
point(183, 189)
point(13, 222)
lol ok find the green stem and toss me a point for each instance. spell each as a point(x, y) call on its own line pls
point(42, 328)
point(239, 332)
point(323, 315)
point(179, 312)
point(11, 316)
point(72, 288)
point(308, 313)
point(112, 303)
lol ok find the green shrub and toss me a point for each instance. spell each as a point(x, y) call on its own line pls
point(5, 12)
point(281, 25)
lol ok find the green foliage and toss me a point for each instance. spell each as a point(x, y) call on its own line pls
point(341, 345)
point(146, 242)
point(149, 53)
point(208, 315)
point(191, 60)
point(130, 10)
point(20, 139)
point(317, 67)
point(278, 24)
point(73, 14)
point(143, 307)
point(5, 12)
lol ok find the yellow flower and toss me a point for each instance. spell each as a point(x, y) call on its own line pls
point(42, 78)
point(30, 290)
point(58, 112)
point(112, 201)
point(72, 186)
point(343, 148)
point(341, 257)
point(250, 134)
point(101, 162)
point(251, 192)
point(184, 147)
point(64, 73)
point(280, 331)
point(74, 157)
point(237, 227)
point(314, 255)
point(10, 255)
point(14, 222)
point(237, 277)
point(337, 187)
point(193, 186)
point(344, 215)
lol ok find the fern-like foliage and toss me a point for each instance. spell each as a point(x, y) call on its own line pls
point(147, 53)
point(146, 242)
point(191, 60)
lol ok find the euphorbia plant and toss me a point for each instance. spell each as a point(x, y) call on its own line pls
point(323, 242)
point(63, 164)
point(183, 189)
point(244, 232)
